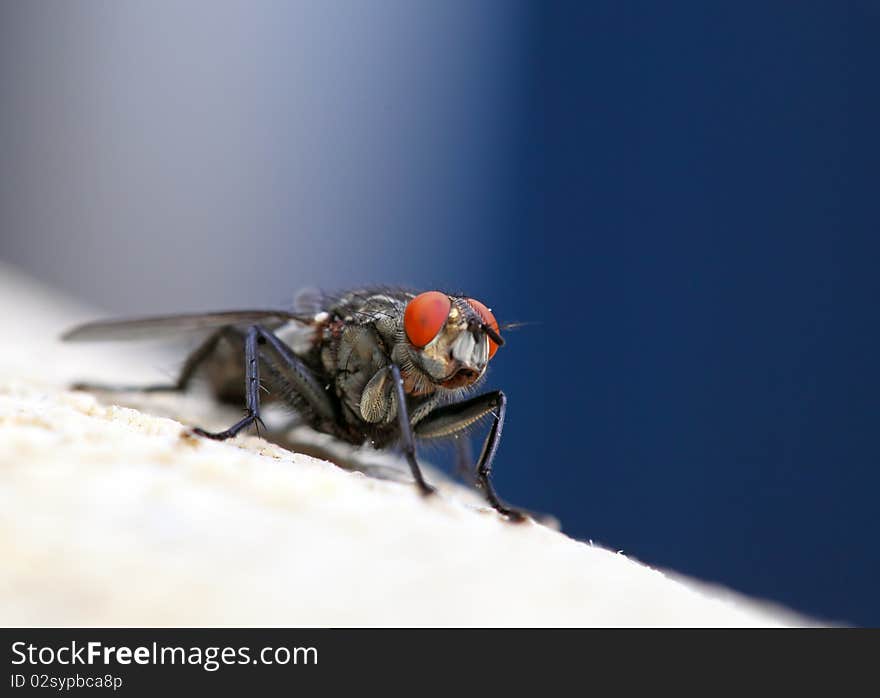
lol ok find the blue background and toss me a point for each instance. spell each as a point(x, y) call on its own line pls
point(682, 197)
point(708, 175)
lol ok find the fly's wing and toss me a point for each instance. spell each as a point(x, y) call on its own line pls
point(309, 301)
point(152, 327)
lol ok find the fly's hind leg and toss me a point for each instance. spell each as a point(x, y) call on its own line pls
point(457, 417)
point(261, 344)
point(193, 361)
point(251, 390)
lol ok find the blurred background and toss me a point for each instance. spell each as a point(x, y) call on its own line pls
point(682, 198)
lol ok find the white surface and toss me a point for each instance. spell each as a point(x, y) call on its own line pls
point(111, 516)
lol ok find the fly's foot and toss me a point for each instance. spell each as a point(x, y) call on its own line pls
point(521, 515)
point(512, 515)
point(228, 433)
point(515, 516)
point(215, 435)
point(425, 489)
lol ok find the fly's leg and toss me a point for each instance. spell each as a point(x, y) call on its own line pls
point(251, 390)
point(406, 432)
point(287, 369)
point(456, 418)
point(192, 363)
point(293, 375)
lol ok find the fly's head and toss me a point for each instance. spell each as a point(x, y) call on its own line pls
point(450, 340)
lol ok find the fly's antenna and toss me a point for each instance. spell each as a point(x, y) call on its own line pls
point(516, 325)
point(493, 335)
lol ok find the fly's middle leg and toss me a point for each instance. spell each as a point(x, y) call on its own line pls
point(406, 432)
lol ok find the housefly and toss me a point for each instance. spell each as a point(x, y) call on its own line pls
point(379, 366)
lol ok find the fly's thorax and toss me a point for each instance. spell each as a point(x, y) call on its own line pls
point(353, 357)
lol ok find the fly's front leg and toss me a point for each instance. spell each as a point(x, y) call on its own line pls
point(456, 418)
point(406, 432)
point(251, 390)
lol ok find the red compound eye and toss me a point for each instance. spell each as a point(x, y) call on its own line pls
point(425, 316)
point(489, 319)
